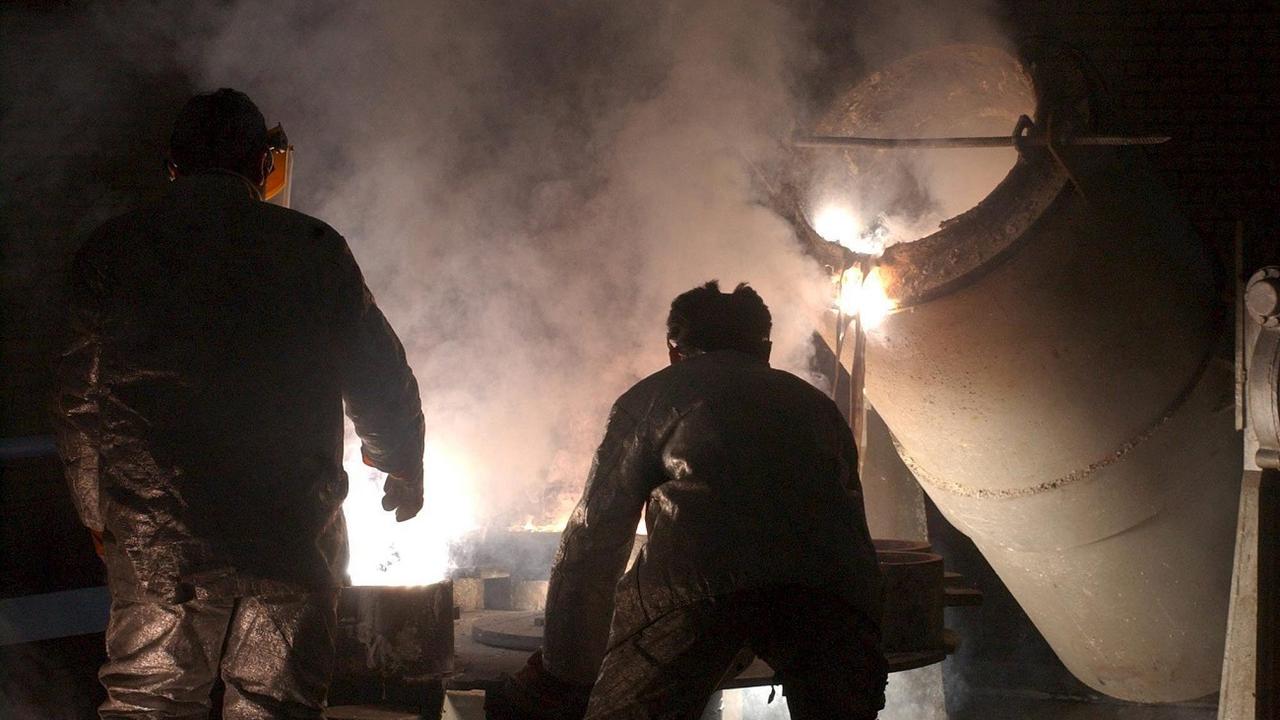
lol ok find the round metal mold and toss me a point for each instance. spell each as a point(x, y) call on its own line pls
point(890, 545)
point(368, 712)
point(510, 630)
point(406, 632)
point(912, 621)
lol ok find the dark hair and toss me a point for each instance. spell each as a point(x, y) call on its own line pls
point(705, 319)
point(222, 129)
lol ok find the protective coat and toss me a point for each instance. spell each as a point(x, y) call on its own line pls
point(748, 478)
point(216, 339)
point(274, 655)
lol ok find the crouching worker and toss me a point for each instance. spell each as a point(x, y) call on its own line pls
point(216, 340)
point(757, 538)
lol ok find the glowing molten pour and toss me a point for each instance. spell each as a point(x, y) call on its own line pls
point(415, 552)
point(837, 224)
point(864, 298)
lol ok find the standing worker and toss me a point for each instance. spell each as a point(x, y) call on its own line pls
point(757, 538)
point(216, 340)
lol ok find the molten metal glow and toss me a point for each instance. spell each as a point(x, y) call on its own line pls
point(415, 552)
point(837, 224)
point(866, 299)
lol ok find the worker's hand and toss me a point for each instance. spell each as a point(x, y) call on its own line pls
point(403, 493)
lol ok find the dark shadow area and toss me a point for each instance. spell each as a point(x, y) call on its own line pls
point(52, 679)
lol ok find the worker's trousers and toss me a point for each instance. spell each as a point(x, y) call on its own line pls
point(826, 657)
point(274, 653)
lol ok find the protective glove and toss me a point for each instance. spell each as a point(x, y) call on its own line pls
point(403, 493)
point(535, 694)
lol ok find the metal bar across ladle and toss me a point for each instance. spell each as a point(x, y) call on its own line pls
point(824, 141)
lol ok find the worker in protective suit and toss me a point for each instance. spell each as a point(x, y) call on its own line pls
point(216, 340)
point(757, 538)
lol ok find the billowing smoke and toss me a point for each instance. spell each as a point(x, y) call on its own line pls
point(527, 186)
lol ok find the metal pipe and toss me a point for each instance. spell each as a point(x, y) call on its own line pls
point(858, 373)
point(999, 141)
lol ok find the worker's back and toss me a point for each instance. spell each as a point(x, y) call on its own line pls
point(224, 327)
point(758, 486)
point(216, 342)
point(747, 479)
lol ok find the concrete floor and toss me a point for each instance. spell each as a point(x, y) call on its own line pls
point(995, 707)
point(752, 705)
point(918, 695)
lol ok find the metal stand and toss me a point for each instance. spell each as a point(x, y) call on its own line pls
point(1261, 419)
point(845, 326)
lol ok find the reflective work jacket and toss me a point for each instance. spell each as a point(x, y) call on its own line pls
point(747, 477)
point(200, 403)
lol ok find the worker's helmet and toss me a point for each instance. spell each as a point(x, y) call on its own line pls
point(224, 130)
point(220, 130)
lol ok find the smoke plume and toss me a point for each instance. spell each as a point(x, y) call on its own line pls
point(527, 186)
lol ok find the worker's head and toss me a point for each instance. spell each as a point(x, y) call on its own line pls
point(705, 319)
point(220, 130)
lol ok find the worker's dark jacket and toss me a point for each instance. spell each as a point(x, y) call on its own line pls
point(748, 477)
point(216, 338)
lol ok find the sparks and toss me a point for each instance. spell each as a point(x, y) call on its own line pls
point(864, 298)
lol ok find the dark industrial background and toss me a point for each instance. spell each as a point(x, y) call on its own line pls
point(1207, 74)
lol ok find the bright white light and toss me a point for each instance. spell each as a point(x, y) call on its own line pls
point(414, 552)
point(867, 298)
point(836, 223)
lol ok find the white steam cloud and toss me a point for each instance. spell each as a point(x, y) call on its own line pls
point(527, 186)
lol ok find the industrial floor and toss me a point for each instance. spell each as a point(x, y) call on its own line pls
point(1013, 708)
point(752, 704)
point(62, 683)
